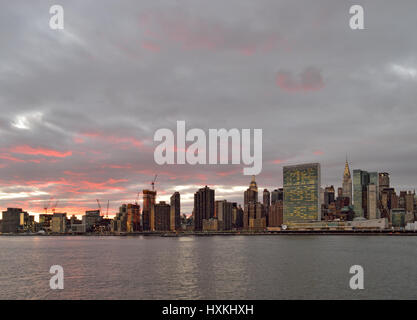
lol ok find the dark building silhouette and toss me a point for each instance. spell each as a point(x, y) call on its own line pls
point(237, 216)
point(224, 213)
point(276, 212)
point(266, 202)
point(203, 207)
point(175, 215)
point(383, 178)
point(14, 220)
point(329, 195)
point(162, 216)
point(277, 195)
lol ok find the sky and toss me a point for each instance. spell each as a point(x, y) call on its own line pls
point(79, 107)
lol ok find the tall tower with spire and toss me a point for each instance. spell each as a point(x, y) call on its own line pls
point(347, 182)
point(251, 194)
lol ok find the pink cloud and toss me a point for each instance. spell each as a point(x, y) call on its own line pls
point(151, 46)
point(226, 173)
point(7, 156)
point(113, 139)
point(278, 161)
point(309, 80)
point(318, 153)
point(25, 149)
point(197, 33)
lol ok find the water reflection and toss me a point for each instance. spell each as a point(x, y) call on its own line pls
point(219, 267)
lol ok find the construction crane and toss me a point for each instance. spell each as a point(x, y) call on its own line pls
point(47, 205)
point(55, 206)
point(137, 198)
point(107, 211)
point(99, 206)
point(153, 182)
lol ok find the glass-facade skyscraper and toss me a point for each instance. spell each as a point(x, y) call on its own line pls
point(365, 194)
point(302, 193)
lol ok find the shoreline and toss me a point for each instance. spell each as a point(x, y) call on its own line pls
point(233, 233)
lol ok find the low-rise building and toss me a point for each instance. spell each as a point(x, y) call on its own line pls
point(16, 220)
point(211, 224)
point(59, 223)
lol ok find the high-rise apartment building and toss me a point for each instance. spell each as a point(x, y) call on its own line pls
point(223, 213)
point(148, 211)
point(277, 195)
point(162, 216)
point(203, 207)
point(266, 202)
point(276, 214)
point(132, 217)
point(237, 216)
point(175, 215)
point(329, 195)
point(266, 198)
point(383, 178)
point(254, 216)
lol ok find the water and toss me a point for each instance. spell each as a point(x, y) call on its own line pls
point(216, 267)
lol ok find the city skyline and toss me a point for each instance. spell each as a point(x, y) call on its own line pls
point(237, 194)
point(80, 105)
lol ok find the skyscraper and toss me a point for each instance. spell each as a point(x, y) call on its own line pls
point(360, 183)
point(266, 202)
point(148, 210)
point(133, 217)
point(301, 193)
point(175, 215)
point(383, 181)
point(329, 195)
point(254, 216)
point(127, 219)
point(266, 198)
point(276, 195)
point(203, 207)
point(275, 214)
point(251, 194)
point(237, 216)
point(162, 216)
point(365, 194)
point(347, 183)
point(223, 213)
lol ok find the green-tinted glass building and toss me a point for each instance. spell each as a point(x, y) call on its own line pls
point(360, 182)
point(302, 193)
point(365, 197)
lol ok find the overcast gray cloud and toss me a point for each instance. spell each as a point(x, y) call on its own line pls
point(79, 106)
